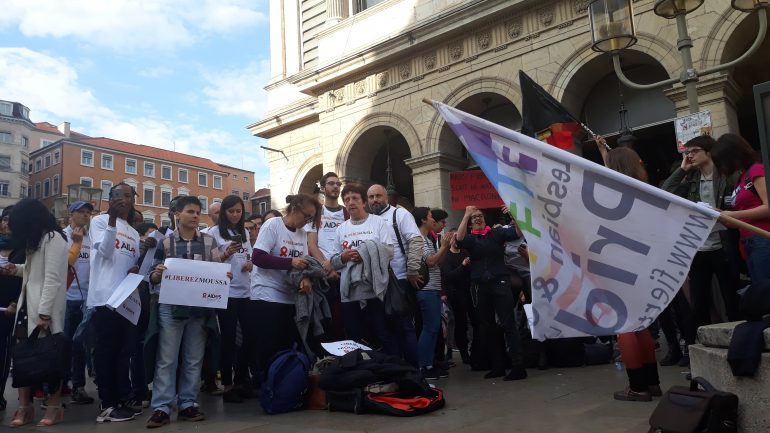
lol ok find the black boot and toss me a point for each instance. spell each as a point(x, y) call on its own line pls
point(517, 372)
point(652, 379)
point(638, 389)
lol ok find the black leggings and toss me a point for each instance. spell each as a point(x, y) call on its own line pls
point(274, 331)
point(234, 359)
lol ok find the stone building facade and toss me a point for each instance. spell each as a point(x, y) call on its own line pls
point(349, 79)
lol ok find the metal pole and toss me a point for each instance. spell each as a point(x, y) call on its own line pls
point(689, 76)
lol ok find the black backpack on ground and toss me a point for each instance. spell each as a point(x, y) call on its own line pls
point(699, 408)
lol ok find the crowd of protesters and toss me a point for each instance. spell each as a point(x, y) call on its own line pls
point(60, 281)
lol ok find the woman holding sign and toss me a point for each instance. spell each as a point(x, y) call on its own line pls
point(234, 247)
point(43, 293)
point(280, 247)
point(636, 348)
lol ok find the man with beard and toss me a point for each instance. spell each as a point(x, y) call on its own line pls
point(406, 263)
point(321, 241)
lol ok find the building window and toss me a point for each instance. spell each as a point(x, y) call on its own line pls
point(106, 187)
point(38, 165)
point(87, 181)
point(148, 217)
point(165, 221)
point(235, 192)
point(149, 169)
point(263, 208)
point(86, 158)
point(217, 181)
point(130, 166)
point(23, 191)
point(56, 157)
point(246, 196)
point(204, 203)
point(362, 5)
point(165, 198)
point(6, 137)
point(203, 179)
point(38, 190)
point(183, 175)
point(24, 142)
point(245, 179)
point(47, 160)
point(25, 169)
point(165, 172)
point(183, 191)
point(6, 109)
point(235, 177)
point(4, 185)
point(56, 183)
point(131, 182)
point(149, 195)
point(5, 163)
point(45, 143)
point(46, 188)
point(106, 162)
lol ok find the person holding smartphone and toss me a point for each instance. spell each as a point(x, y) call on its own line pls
point(234, 247)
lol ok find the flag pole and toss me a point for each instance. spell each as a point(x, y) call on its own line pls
point(744, 225)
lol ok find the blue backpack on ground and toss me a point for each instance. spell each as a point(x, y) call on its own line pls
point(287, 382)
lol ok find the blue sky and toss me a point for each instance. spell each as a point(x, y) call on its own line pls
point(184, 74)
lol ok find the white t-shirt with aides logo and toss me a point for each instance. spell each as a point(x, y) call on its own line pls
point(114, 250)
point(350, 235)
point(277, 240)
point(82, 268)
point(240, 285)
point(327, 233)
point(408, 229)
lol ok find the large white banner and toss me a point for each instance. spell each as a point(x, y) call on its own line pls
point(607, 252)
point(195, 283)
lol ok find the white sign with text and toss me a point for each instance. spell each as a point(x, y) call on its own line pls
point(195, 283)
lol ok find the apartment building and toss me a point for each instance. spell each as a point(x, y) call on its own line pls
point(18, 137)
point(158, 175)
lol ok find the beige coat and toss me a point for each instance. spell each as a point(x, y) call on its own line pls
point(44, 280)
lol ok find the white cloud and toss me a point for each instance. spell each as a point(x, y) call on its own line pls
point(130, 24)
point(238, 91)
point(49, 86)
point(155, 72)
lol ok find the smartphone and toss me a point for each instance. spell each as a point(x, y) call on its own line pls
point(238, 239)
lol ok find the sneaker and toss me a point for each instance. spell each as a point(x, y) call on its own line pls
point(191, 414)
point(133, 405)
point(115, 414)
point(432, 373)
point(516, 373)
point(630, 395)
point(158, 419)
point(79, 396)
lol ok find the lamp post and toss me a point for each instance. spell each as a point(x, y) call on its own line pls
point(612, 30)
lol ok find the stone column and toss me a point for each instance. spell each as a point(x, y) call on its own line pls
point(336, 10)
point(430, 175)
point(716, 94)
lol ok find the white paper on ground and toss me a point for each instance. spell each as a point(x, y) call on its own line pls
point(339, 348)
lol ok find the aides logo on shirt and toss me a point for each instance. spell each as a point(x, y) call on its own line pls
point(353, 244)
point(332, 225)
point(124, 246)
point(286, 252)
point(84, 255)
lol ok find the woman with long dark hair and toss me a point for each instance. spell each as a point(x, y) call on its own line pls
point(636, 348)
point(10, 289)
point(235, 248)
point(732, 154)
point(42, 302)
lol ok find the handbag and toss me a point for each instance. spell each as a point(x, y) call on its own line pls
point(398, 301)
point(690, 409)
point(41, 360)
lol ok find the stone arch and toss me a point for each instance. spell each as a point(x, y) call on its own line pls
point(649, 44)
point(303, 171)
point(716, 42)
point(392, 120)
point(500, 86)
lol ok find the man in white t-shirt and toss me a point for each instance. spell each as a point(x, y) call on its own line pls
point(114, 253)
point(78, 258)
point(406, 263)
point(364, 319)
point(321, 241)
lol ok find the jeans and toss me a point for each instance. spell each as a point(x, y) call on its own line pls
point(705, 265)
point(430, 311)
point(185, 336)
point(367, 325)
point(115, 341)
point(757, 258)
point(495, 298)
point(73, 315)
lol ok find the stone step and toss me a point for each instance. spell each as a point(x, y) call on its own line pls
point(719, 335)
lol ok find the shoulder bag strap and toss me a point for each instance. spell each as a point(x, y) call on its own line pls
point(398, 233)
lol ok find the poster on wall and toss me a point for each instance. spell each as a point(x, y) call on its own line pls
point(472, 188)
point(691, 126)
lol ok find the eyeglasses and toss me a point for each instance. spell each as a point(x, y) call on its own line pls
point(332, 183)
point(308, 217)
point(690, 151)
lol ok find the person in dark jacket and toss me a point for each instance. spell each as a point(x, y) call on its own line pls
point(10, 289)
point(491, 288)
point(456, 275)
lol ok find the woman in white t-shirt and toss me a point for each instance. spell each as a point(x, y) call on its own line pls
point(280, 247)
point(235, 248)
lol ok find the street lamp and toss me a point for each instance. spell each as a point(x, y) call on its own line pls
point(612, 30)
